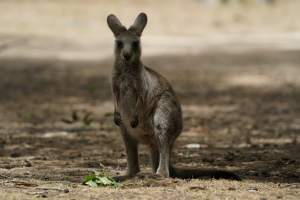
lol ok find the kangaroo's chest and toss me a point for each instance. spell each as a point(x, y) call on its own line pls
point(131, 101)
point(127, 94)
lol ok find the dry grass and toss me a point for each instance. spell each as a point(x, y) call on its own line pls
point(173, 189)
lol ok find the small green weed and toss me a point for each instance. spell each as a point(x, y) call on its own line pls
point(100, 180)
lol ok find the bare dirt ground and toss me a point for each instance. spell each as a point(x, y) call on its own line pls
point(240, 100)
point(243, 110)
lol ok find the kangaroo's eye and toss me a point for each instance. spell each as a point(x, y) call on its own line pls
point(135, 44)
point(119, 44)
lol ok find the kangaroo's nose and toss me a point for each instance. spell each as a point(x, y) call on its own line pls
point(127, 56)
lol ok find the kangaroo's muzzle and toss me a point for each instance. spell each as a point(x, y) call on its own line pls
point(127, 56)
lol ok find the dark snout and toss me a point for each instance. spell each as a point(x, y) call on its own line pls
point(127, 56)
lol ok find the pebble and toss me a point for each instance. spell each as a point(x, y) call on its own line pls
point(193, 146)
point(66, 190)
point(252, 190)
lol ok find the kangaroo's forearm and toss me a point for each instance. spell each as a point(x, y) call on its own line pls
point(134, 121)
point(136, 118)
point(117, 118)
point(117, 115)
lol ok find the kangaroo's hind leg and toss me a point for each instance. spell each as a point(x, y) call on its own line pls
point(164, 161)
point(131, 147)
point(154, 154)
point(163, 141)
point(167, 125)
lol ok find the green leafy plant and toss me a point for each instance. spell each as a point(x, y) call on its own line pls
point(100, 180)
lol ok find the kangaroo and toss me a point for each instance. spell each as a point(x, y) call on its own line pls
point(146, 108)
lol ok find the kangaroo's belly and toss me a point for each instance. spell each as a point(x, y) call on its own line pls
point(142, 133)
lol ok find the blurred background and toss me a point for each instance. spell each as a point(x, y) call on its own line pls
point(233, 63)
point(77, 29)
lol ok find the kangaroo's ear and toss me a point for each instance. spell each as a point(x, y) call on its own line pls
point(139, 24)
point(115, 25)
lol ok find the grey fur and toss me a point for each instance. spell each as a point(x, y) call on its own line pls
point(115, 25)
point(146, 107)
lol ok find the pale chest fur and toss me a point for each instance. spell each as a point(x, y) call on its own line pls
point(133, 99)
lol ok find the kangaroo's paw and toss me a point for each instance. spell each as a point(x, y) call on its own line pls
point(117, 119)
point(135, 121)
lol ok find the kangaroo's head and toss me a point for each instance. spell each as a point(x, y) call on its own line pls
point(127, 43)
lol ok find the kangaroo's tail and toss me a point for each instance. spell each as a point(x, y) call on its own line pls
point(185, 173)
